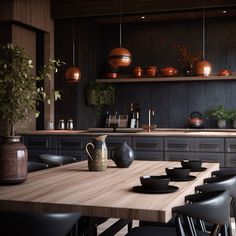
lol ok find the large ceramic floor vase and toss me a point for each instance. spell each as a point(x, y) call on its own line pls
point(13, 161)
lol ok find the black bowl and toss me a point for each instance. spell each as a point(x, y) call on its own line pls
point(155, 182)
point(178, 172)
point(192, 164)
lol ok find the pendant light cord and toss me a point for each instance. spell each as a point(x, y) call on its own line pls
point(203, 33)
point(120, 27)
point(73, 43)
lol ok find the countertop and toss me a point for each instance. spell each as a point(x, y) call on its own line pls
point(141, 132)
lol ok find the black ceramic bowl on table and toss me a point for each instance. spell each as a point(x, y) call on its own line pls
point(178, 172)
point(192, 164)
point(155, 182)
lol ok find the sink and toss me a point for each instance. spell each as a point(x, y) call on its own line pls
point(118, 130)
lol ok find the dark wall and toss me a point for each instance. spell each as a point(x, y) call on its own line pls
point(149, 44)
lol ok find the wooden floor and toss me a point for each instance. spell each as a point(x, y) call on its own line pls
point(123, 232)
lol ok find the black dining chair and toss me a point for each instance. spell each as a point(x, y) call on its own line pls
point(228, 183)
point(38, 224)
point(56, 160)
point(213, 207)
point(35, 166)
point(224, 171)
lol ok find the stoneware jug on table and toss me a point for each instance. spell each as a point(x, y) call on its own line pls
point(123, 156)
point(97, 153)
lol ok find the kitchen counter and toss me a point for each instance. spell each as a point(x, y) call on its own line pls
point(140, 132)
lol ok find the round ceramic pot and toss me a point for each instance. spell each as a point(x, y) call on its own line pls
point(221, 124)
point(13, 161)
point(138, 71)
point(151, 71)
point(234, 124)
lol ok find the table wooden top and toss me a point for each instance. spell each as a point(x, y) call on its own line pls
point(72, 188)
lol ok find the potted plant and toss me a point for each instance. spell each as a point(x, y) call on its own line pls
point(98, 94)
point(221, 115)
point(232, 114)
point(19, 95)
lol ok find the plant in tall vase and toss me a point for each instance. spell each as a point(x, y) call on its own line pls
point(221, 115)
point(232, 114)
point(19, 96)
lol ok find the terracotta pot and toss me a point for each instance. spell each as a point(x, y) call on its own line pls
point(73, 75)
point(225, 72)
point(169, 71)
point(119, 57)
point(151, 71)
point(138, 71)
point(13, 161)
point(203, 68)
point(111, 75)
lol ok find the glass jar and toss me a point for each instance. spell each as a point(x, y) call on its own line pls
point(151, 71)
point(50, 125)
point(61, 124)
point(138, 71)
point(69, 124)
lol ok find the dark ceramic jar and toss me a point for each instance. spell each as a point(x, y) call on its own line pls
point(123, 156)
point(13, 161)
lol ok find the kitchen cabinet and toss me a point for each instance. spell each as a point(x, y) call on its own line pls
point(230, 149)
point(211, 149)
point(148, 148)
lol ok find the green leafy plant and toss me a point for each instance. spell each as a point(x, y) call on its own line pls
point(232, 114)
point(98, 94)
point(19, 93)
point(219, 113)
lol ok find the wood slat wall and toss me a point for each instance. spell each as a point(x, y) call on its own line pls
point(72, 8)
point(149, 43)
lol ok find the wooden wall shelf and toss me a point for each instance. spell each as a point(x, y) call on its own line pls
point(165, 79)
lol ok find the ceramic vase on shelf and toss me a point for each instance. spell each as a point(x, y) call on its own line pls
point(221, 124)
point(138, 71)
point(203, 68)
point(151, 71)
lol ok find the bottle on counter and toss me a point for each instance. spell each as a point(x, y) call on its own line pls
point(107, 120)
point(132, 120)
point(137, 115)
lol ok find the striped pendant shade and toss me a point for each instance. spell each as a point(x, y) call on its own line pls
point(119, 57)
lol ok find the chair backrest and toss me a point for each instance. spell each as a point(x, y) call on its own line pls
point(34, 166)
point(56, 160)
point(224, 171)
point(227, 182)
point(36, 224)
point(212, 207)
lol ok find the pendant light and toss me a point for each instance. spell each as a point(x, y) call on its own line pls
point(73, 73)
point(119, 57)
point(203, 68)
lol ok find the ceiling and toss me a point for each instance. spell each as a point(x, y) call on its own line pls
point(132, 10)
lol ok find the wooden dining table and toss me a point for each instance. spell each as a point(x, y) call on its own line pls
point(72, 188)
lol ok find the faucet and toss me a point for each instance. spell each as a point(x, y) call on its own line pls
point(150, 113)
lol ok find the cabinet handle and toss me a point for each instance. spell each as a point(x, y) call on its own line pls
point(208, 146)
point(147, 145)
point(177, 145)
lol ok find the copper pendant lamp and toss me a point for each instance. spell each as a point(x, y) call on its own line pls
point(119, 57)
point(73, 73)
point(203, 67)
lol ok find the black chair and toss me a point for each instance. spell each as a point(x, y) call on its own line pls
point(35, 166)
point(56, 160)
point(228, 183)
point(37, 224)
point(213, 207)
point(224, 171)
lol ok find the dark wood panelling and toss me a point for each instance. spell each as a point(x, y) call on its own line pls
point(71, 8)
point(149, 44)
